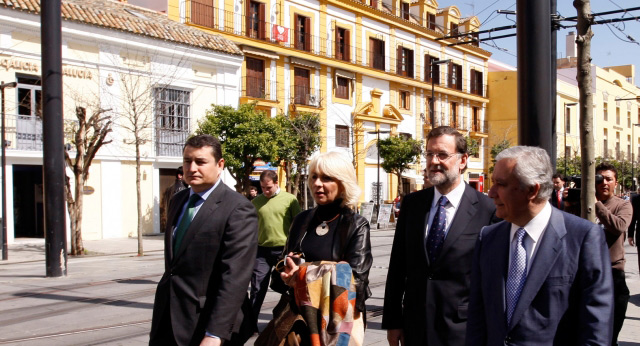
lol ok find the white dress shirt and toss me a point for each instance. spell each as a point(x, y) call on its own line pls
point(450, 209)
point(535, 230)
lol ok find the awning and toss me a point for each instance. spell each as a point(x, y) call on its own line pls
point(305, 63)
point(345, 74)
point(260, 52)
point(267, 167)
point(414, 176)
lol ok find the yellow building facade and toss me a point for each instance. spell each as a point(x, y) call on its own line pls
point(361, 66)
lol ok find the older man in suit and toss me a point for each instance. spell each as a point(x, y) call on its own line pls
point(210, 248)
point(542, 276)
point(427, 288)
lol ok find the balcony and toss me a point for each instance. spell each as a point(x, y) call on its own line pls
point(305, 96)
point(170, 142)
point(240, 25)
point(479, 129)
point(260, 89)
point(23, 132)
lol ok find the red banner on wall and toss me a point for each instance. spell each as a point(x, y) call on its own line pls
point(280, 33)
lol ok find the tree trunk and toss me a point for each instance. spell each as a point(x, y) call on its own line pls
point(400, 188)
point(583, 40)
point(139, 195)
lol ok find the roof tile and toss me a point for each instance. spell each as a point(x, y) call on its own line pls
point(112, 14)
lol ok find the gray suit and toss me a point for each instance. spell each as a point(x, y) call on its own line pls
point(567, 298)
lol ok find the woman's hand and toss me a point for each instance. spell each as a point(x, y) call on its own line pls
point(290, 267)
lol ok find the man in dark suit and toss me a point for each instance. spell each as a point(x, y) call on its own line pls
point(634, 227)
point(542, 276)
point(210, 248)
point(556, 199)
point(427, 288)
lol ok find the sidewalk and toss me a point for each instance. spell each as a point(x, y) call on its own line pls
point(107, 297)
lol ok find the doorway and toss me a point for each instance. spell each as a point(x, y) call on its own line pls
point(28, 201)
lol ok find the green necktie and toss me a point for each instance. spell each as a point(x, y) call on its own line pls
point(186, 221)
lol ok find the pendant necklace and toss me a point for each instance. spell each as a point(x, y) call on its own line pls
point(323, 228)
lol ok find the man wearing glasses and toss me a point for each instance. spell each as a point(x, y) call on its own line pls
point(427, 288)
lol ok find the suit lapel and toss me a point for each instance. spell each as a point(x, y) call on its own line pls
point(420, 222)
point(202, 218)
point(497, 260)
point(547, 253)
point(466, 210)
point(180, 200)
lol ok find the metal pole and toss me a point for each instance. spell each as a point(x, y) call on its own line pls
point(5, 249)
point(431, 104)
point(553, 78)
point(53, 139)
point(565, 139)
point(534, 75)
point(378, 186)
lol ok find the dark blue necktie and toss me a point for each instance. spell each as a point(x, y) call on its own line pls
point(517, 273)
point(435, 239)
point(186, 221)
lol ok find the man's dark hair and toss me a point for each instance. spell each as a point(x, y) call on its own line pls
point(269, 175)
point(179, 172)
point(558, 175)
point(201, 141)
point(606, 166)
point(253, 188)
point(461, 142)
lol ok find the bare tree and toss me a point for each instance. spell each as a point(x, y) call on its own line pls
point(583, 40)
point(88, 136)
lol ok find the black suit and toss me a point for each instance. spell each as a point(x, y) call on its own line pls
point(206, 280)
point(635, 222)
point(554, 199)
point(429, 300)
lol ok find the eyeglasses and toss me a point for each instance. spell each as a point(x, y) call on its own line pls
point(442, 156)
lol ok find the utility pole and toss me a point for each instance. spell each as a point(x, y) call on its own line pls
point(583, 40)
point(53, 139)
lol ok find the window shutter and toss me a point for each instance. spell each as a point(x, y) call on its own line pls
point(347, 46)
point(410, 63)
point(247, 17)
point(399, 60)
point(450, 77)
point(307, 34)
point(338, 54)
point(262, 24)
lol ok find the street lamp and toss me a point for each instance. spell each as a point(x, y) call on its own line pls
point(566, 109)
point(431, 102)
point(633, 158)
point(377, 133)
point(5, 255)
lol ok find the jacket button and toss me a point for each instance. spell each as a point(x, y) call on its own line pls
point(508, 340)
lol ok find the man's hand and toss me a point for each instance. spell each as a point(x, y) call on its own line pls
point(209, 341)
point(395, 337)
point(631, 242)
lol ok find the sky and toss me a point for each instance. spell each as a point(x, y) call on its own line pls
point(609, 47)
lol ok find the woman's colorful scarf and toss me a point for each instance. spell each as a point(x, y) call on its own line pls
point(325, 293)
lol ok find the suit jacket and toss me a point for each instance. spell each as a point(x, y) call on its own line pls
point(429, 300)
point(554, 200)
point(567, 297)
point(635, 220)
point(206, 280)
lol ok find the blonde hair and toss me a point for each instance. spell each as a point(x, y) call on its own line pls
point(338, 166)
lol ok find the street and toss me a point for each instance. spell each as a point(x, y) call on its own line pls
point(107, 297)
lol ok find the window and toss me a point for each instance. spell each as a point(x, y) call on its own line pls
point(605, 145)
point(453, 29)
point(342, 136)
point(405, 62)
point(172, 108)
point(618, 154)
point(255, 20)
point(342, 88)
point(629, 147)
point(376, 53)
point(202, 12)
point(455, 76)
point(431, 70)
point(476, 39)
point(567, 151)
point(404, 10)
point(567, 120)
point(404, 135)
point(617, 115)
point(374, 3)
point(301, 86)
point(302, 33)
point(629, 119)
point(476, 119)
point(255, 78)
point(477, 88)
point(343, 45)
point(431, 21)
point(453, 119)
point(405, 99)
point(29, 96)
point(605, 112)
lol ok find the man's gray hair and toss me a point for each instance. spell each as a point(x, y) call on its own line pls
point(533, 166)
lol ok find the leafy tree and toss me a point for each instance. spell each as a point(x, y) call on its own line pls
point(246, 135)
point(623, 167)
point(398, 154)
point(497, 149)
point(88, 135)
point(299, 138)
point(473, 146)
